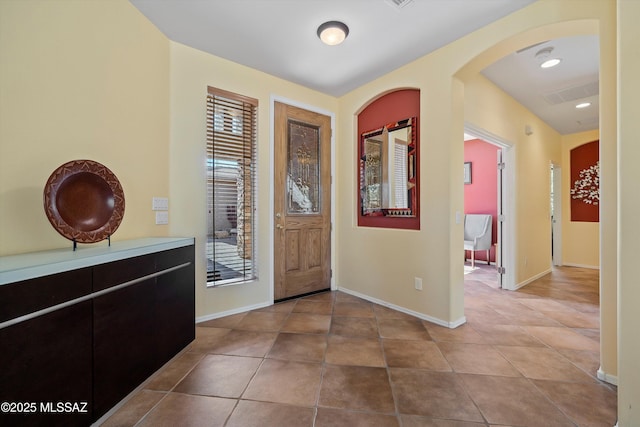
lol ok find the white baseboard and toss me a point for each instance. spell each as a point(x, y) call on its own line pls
point(570, 264)
point(531, 279)
point(461, 321)
point(603, 376)
point(452, 325)
point(480, 261)
point(422, 316)
point(232, 311)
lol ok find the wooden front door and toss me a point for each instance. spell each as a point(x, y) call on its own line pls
point(302, 202)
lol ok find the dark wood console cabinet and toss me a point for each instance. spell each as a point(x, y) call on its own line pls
point(112, 325)
point(47, 359)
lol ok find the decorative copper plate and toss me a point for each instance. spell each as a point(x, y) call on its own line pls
point(84, 201)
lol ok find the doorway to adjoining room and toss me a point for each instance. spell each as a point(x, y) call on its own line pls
point(481, 208)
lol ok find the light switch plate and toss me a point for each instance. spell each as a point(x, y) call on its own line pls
point(160, 204)
point(162, 217)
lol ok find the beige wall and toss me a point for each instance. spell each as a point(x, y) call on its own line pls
point(433, 252)
point(80, 80)
point(405, 254)
point(580, 240)
point(629, 212)
point(446, 101)
point(488, 107)
point(191, 72)
point(73, 87)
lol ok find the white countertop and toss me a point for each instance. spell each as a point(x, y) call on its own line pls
point(14, 268)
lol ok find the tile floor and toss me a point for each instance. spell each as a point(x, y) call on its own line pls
point(525, 358)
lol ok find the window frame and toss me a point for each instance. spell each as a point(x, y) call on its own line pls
point(231, 137)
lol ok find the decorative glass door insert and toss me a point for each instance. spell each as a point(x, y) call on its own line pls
point(303, 168)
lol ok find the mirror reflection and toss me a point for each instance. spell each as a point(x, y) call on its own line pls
point(387, 165)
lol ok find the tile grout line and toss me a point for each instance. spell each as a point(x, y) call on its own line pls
point(387, 368)
point(323, 363)
point(485, 335)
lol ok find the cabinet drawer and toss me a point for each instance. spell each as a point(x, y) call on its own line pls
point(115, 273)
point(173, 257)
point(20, 298)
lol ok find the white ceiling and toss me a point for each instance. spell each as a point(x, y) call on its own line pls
point(553, 93)
point(279, 38)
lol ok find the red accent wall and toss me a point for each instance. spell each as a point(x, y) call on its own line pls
point(481, 196)
point(390, 108)
point(582, 158)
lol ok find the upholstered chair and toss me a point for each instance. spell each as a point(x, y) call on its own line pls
point(477, 235)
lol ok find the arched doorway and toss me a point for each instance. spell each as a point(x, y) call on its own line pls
point(467, 76)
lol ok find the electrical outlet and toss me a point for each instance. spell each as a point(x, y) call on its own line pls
point(418, 283)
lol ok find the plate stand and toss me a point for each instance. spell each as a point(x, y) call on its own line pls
point(75, 242)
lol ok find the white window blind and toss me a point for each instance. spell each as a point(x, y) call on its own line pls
point(401, 175)
point(231, 182)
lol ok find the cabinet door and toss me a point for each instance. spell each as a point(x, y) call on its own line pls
point(46, 361)
point(124, 345)
point(175, 308)
point(140, 327)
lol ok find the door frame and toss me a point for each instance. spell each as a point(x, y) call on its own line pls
point(556, 221)
point(499, 223)
point(283, 100)
point(508, 235)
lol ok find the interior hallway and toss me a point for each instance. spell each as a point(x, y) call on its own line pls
point(524, 358)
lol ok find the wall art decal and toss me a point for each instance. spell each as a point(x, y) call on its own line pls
point(587, 188)
point(585, 183)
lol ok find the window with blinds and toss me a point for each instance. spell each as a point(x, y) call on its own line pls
point(231, 182)
point(400, 178)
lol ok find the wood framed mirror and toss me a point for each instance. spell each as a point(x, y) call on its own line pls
point(389, 162)
point(387, 170)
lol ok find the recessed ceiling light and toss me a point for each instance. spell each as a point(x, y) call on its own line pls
point(333, 32)
point(544, 59)
point(583, 105)
point(550, 63)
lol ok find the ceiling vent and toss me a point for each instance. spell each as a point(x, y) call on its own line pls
point(572, 93)
point(399, 3)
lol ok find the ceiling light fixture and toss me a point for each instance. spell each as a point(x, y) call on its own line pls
point(543, 56)
point(550, 63)
point(333, 32)
point(583, 105)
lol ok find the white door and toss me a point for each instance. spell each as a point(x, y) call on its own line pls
point(556, 215)
point(500, 220)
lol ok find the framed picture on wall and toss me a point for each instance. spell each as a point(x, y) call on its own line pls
point(467, 172)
